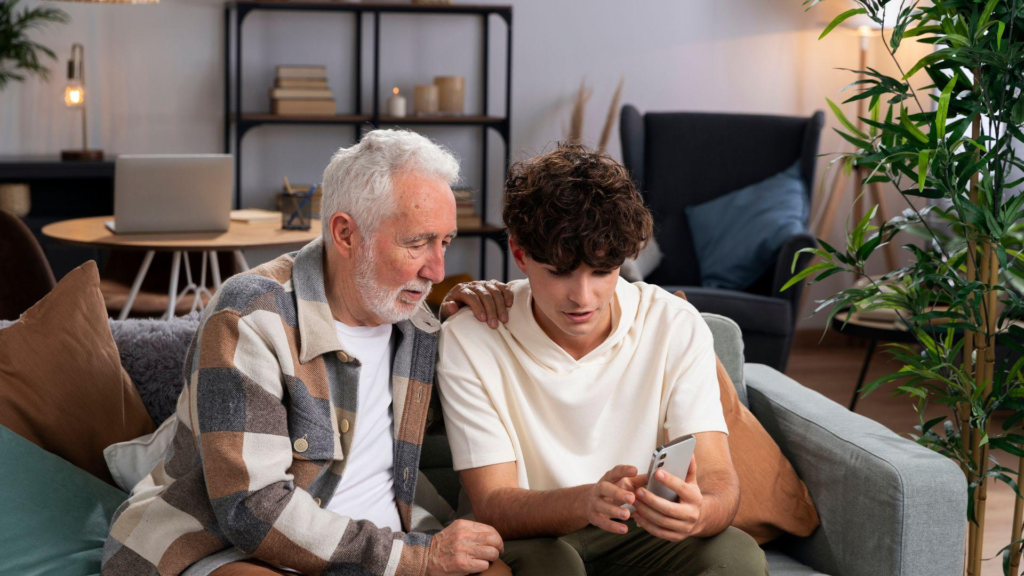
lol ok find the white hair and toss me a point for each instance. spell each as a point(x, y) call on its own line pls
point(358, 181)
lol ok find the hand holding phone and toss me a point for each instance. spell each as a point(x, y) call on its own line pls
point(673, 458)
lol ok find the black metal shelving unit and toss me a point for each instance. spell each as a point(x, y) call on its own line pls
point(235, 13)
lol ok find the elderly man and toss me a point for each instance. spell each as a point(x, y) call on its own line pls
point(297, 436)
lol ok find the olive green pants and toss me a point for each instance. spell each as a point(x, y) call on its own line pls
point(593, 551)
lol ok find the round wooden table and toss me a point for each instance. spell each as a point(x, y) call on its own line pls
point(93, 233)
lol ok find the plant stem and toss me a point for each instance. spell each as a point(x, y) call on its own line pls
point(988, 372)
point(1018, 518)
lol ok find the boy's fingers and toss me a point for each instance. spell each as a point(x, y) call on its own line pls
point(619, 472)
point(691, 472)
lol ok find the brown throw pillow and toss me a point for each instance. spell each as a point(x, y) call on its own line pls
point(61, 381)
point(773, 499)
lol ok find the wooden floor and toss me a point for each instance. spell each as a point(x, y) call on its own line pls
point(832, 370)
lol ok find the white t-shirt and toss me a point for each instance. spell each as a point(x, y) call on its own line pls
point(367, 490)
point(512, 394)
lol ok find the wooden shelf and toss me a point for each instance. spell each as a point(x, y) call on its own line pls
point(237, 123)
point(485, 230)
point(340, 6)
point(263, 118)
point(311, 119)
point(442, 120)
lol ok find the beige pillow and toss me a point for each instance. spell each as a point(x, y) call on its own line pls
point(773, 499)
point(61, 381)
point(129, 462)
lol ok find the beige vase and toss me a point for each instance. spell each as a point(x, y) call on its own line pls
point(15, 198)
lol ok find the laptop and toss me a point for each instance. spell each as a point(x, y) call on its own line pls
point(172, 193)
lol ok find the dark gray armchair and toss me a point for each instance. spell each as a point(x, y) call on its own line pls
point(680, 159)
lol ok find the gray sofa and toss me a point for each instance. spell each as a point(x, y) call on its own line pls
point(887, 505)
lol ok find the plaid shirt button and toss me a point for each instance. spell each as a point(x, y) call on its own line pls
point(344, 425)
point(301, 445)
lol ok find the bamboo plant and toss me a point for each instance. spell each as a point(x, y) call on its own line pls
point(953, 141)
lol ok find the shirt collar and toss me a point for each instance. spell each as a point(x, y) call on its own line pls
point(523, 326)
point(317, 334)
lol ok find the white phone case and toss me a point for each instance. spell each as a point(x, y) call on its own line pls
point(673, 458)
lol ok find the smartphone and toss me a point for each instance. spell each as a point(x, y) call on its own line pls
point(673, 458)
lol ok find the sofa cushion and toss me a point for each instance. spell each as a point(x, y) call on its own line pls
point(773, 499)
point(130, 462)
point(153, 353)
point(63, 385)
point(55, 515)
point(729, 349)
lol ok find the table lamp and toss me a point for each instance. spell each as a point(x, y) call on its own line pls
point(74, 92)
point(74, 97)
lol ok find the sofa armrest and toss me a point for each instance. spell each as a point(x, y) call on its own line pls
point(887, 505)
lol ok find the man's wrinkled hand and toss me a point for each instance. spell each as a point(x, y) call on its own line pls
point(464, 547)
point(488, 299)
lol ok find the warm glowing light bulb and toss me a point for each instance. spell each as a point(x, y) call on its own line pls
point(74, 95)
point(395, 91)
point(864, 30)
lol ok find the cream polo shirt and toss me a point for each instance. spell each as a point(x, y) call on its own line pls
point(513, 395)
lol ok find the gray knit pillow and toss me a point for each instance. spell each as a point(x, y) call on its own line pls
point(153, 354)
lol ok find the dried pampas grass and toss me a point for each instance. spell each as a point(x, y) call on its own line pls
point(579, 106)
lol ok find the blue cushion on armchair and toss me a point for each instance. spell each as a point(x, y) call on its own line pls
point(55, 515)
point(737, 235)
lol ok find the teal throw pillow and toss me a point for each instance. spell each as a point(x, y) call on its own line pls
point(737, 236)
point(55, 515)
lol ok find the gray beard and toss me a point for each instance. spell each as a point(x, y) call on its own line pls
point(381, 301)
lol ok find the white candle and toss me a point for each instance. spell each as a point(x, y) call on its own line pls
point(396, 105)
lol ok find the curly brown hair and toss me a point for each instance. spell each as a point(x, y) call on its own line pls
point(575, 206)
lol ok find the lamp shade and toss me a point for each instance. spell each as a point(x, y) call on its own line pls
point(829, 9)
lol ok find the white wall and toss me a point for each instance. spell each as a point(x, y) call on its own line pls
point(155, 78)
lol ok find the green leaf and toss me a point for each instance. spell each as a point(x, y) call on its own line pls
point(843, 120)
point(862, 144)
point(999, 34)
point(842, 18)
point(928, 60)
point(876, 111)
point(987, 13)
point(943, 111)
point(909, 125)
point(922, 168)
point(805, 273)
point(921, 30)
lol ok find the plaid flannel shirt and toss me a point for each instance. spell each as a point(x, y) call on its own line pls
point(266, 417)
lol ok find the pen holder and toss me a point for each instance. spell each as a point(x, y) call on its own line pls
point(296, 210)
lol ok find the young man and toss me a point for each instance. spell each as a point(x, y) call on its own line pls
point(552, 414)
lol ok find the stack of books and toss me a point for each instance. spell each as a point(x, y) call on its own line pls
point(465, 210)
point(255, 216)
point(301, 91)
